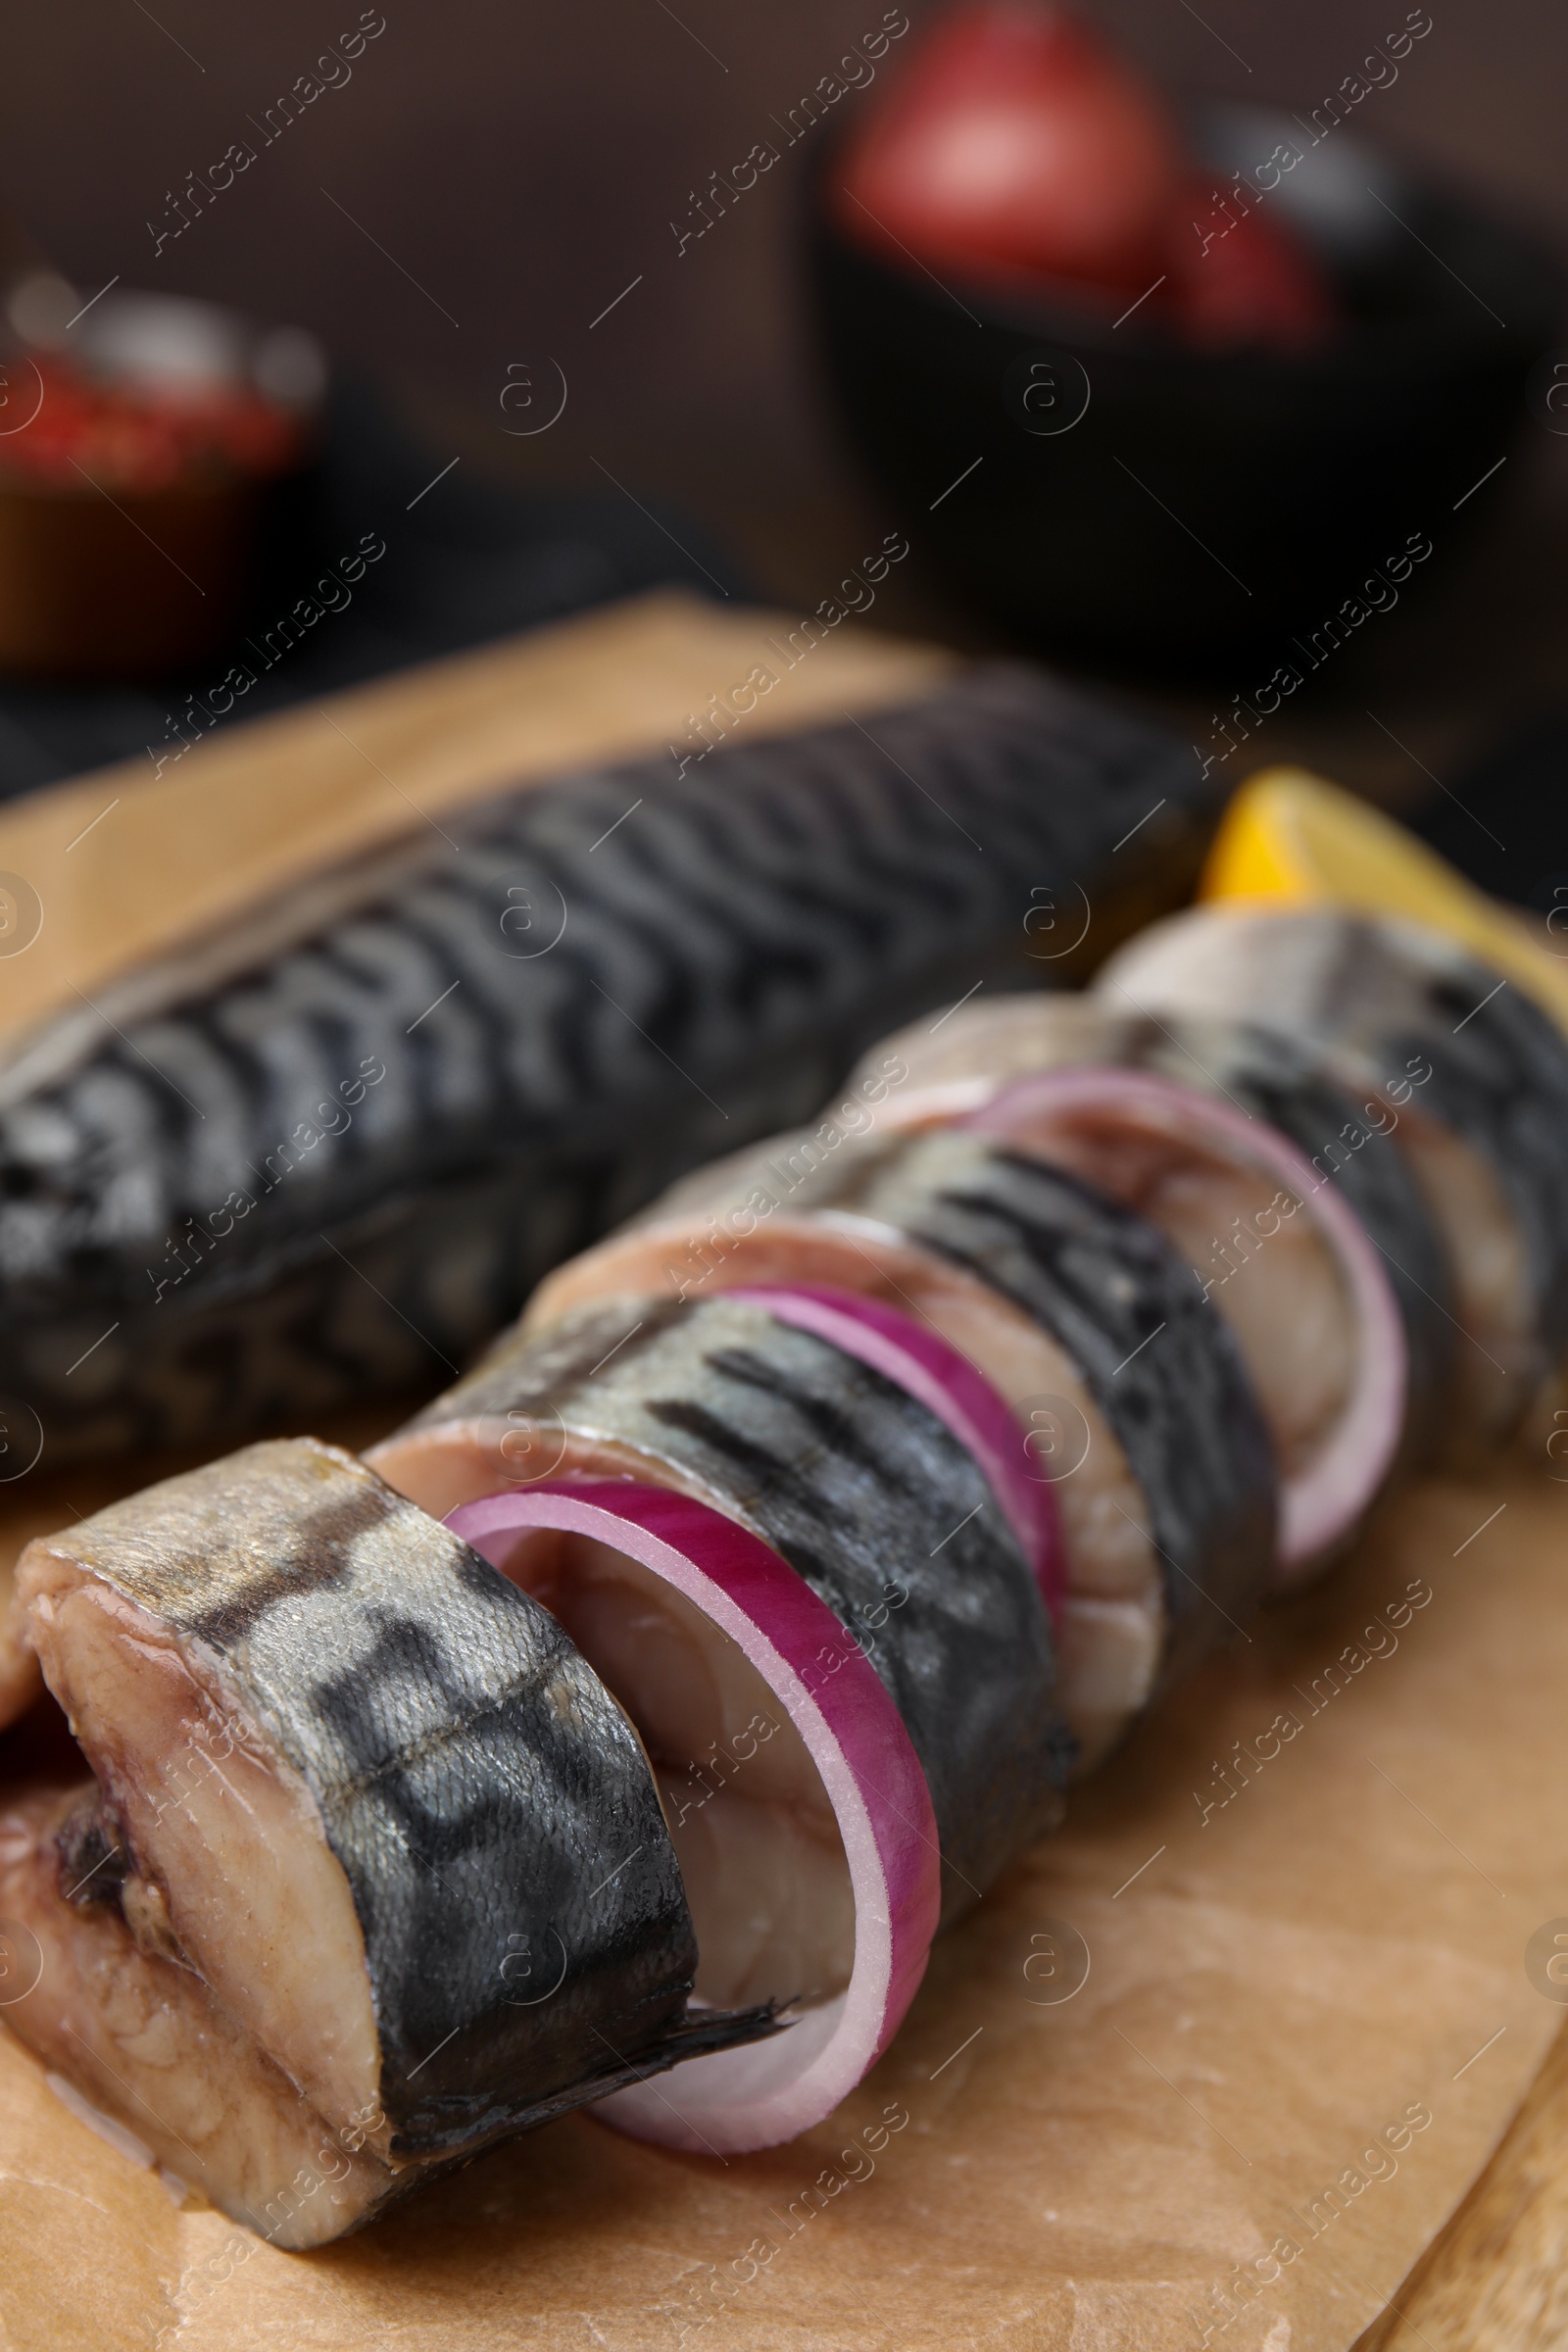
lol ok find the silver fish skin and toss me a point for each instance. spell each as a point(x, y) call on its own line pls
point(1270, 1073)
point(327, 1153)
point(1407, 1010)
point(862, 1490)
point(1157, 1359)
point(1169, 1510)
point(470, 1805)
point(1163, 1365)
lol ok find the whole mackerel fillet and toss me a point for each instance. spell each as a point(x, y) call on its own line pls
point(326, 1153)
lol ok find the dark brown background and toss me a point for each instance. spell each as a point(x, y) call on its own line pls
point(523, 165)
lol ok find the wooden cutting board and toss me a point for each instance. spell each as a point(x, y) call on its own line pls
point(1287, 1957)
point(1495, 2278)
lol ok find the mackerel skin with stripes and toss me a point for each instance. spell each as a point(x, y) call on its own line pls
point(1454, 1047)
point(1286, 1080)
point(326, 1154)
point(1156, 1360)
point(364, 1822)
point(867, 1495)
point(1162, 1366)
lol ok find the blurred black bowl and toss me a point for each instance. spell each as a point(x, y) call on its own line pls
point(1130, 498)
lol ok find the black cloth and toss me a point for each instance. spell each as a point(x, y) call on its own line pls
point(1504, 821)
point(466, 561)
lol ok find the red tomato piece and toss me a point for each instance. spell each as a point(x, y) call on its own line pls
point(1015, 136)
point(1239, 275)
point(140, 437)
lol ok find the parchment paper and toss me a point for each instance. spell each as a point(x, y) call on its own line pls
point(1275, 1988)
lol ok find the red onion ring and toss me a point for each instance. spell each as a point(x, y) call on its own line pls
point(1321, 1506)
point(737, 2100)
point(918, 1360)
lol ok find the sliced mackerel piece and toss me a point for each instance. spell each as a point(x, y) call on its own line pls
point(1161, 1364)
point(327, 1152)
point(860, 1488)
point(1102, 1281)
point(1352, 1141)
point(1407, 1010)
point(366, 1801)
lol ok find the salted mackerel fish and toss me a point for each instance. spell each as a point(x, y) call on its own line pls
point(269, 1977)
point(1080, 1314)
point(326, 1154)
point(347, 1782)
point(1273, 1077)
point(1289, 1195)
point(1476, 1074)
point(855, 1482)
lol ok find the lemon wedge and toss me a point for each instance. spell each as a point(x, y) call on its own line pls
point(1289, 835)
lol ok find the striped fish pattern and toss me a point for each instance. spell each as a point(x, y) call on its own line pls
point(1402, 1007)
point(481, 1792)
point(327, 1153)
point(870, 1497)
point(1161, 1364)
point(1273, 1077)
point(1346, 1140)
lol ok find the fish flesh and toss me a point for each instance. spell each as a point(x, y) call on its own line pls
point(1477, 1076)
point(1274, 1077)
point(1160, 1364)
point(1113, 1617)
point(324, 1154)
point(856, 1483)
point(1289, 1270)
point(1160, 1464)
point(760, 1856)
point(1197, 1198)
point(611, 1554)
point(370, 1868)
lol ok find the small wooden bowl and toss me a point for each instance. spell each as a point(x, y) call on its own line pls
point(121, 585)
point(100, 581)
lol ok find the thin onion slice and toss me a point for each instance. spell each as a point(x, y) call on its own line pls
point(925, 1365)
point(768, 2092)
point(1320, 1506)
